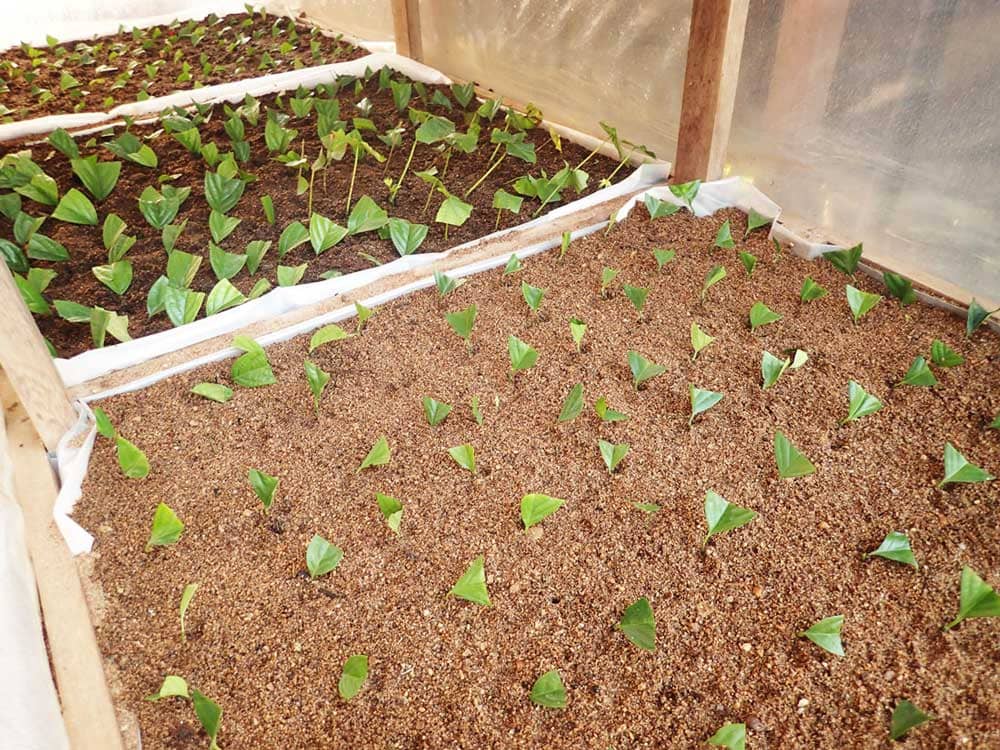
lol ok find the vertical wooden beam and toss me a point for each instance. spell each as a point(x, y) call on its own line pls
point(29, 367)
point(406, 26)
point(715, 46)
point(77, 664)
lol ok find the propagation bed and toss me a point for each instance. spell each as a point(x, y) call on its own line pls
point(267, 643)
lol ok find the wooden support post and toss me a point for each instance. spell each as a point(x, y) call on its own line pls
point(715, 46)
point(29, 367)
point(406, 26)
point(77, 664)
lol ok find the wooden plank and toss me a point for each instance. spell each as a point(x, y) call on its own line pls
point(492, 248)
point(77, 664)
point(29, 367)
point(715, 46)
point(406, 27)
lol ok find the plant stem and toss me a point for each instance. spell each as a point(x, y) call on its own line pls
point(312, 179)
point(354, 172)
point(446, 231)
point(620, 165)
point(427, 203)
point(447, 158)
point(486, 174)
point(497, 225)
point(388, 159)
point(406, 166)
point(589, 156)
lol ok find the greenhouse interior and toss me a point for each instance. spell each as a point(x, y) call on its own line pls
point(453, 374)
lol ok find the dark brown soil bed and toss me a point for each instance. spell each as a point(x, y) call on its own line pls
point(76, 282)
point(268, 644)
point(110, 70)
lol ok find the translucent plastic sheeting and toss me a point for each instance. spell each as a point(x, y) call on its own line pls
point(877, 122)
point(29, 709)
point(371, 19)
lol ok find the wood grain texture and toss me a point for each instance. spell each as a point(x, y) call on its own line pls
point(406, 27)
point(715, 46)
point(28, 365)
point(492, 248)
point(76, 660)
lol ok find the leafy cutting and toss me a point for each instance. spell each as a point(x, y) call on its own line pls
point(549, 691)
point(721, 515)
point(976, 598)
point(637, 296)
point(461, 323)
point(166, 528)
point(643, 369)
point(435, 411)
point(532, 296)
point(471, 586)
point(714, 276)
point(944, 356)
point(699, 340)
point(976, 316)
point(264, 486)
point(353, 676)
point(860, 403)
point(957, 469)
point(845, 261)
point(606, 414)
point(791, 463)
point(325, 335)
point(702, 401)
point(465, 456)
point(536, 507)
point(811, 290)
point(186, 596)
point(322, 557)
point(131, 460)
point(896, 547)
point(724, 237)
point(639, 625)
point(919, 374)
point(391, 510)
point(573, 404)
point(860, 302)
point(251, 369)
point(730, 736)
point(522, 356)
point(761, 315)
point(899, 287)
point(906, 716)
point(826, 634)
point(612, 453)
point(379, 455)
point(772, 368)
point(209, 715)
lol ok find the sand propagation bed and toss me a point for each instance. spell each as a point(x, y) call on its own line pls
point(268, 644)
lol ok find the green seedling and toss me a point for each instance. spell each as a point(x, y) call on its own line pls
point(209, 715)
point(532, 296)
point(749, 262)
point(536, 507)
point(826, 634)
point(471, 586)
point(958, 470)
point(172, 687)
point(606, 414)
point(662, 257)
point(446, 284)
point(724, 237)
point(637, 296)
point(714, 276)
point(756, 220)
point(639, 625)
point(643, 369)
point(730, 736)
point(608, 275)
point(573, 404)
point(522, 356)
point(896, 547)
point(612, 453)
point(317, 379)
point(131, 460)
point(477, 413)
point(976, 599)
point(353, 676)
point(919, 374)
point(465, 456)
point(791, 463)
point(861, 303)
point(391, 510)
point(811, 290)
point(860, 403)
point(264, 486)
point(327, 334)
point(906, 716)
point(186, 596)
point(699, 340)
point(166, 528)
point(845, 261)
point(251, 369)
point(512, 266)
point(577, 329)
point(944, 356)
point(549, 691)
point(462, 322)
point(762, 315)
point(322, 557)
point(722, 516)
point(976, 316)
point(379, 455)
point(899, 287)
point(702, 401)
point(435, 411)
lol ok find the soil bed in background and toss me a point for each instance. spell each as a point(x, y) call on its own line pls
point(109, 70)
point(76, 282)
point(268, 644)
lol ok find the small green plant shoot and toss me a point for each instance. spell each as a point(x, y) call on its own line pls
point(577, 329)
point(327, 334)
point(919, 374)
point(573, 404)
point(976, 599)
point(391, 509)
point(536, 507)
point(186, 596)
point(958, 469)
point(172, 687)
point(637, 296)
point(471, 586)
point(251, 369)
point(435, 411)
point(639, 625)
point(213, 392)
point(612, 454)
point(322, 557)
point(772, 368)
point(826, 634)
point(465, 456)
point(906, 716)
point(976, 316)
point(713, 277)
point(699, 340)
point(724, 237)
point(379, 455)
point(899, 287)
point(749, 262)
point(264, 486)
point(860, 403)
point(861, 303)
point(730, 736)
point(845, 261)
point(353, 676)
point(607, 276)
point(663, 256)
point(896, 547)
point(702, 401)
point(606, 414)
point(131, 460)
point(166, 529)
point(721, 515)
point(549, 691)
point(532, 296)
point(209, 715)
point(643, 369)
point(522, 356)
point(944, 356)
point(811, 290)
point(762, 315)
point(461, 323)
point(317, 378)
point(791, 463)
